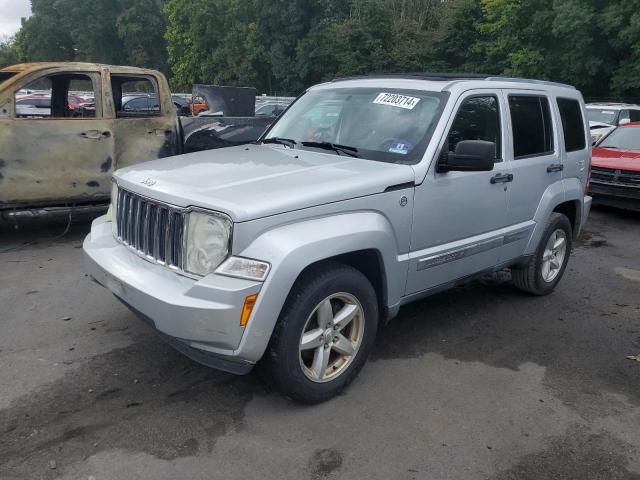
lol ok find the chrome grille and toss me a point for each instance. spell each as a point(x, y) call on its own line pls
point(153, 229)
point(610, 175)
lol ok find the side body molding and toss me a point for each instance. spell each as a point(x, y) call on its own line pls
point(293, 247)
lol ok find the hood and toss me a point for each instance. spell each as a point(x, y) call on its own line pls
point(616, 159)
point(253, 181)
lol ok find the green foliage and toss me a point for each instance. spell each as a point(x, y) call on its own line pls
point(8, 53)
point(283, 46)
point(105, 31)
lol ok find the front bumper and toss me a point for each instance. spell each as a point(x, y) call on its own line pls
point(199, 317)
point(615, 195)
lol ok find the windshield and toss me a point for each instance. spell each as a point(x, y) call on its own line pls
point(389, 125)
point(626, 138)
point(601, 116)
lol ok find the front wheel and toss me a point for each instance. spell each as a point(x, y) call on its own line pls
point(324, 334)
point(545, 269)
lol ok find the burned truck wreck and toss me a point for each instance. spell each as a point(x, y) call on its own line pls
point(66, 127)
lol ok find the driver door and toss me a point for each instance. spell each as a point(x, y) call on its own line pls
point(458, 216)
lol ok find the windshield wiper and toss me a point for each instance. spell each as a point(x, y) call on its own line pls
point(351, 151)
point(282, 141)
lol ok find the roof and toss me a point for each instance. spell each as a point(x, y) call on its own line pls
point(451, 77)
point(35, 66)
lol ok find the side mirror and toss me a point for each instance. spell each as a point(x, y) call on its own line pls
point(624, 121)
point(470, 156)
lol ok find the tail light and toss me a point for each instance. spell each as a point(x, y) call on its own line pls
point(586, 184)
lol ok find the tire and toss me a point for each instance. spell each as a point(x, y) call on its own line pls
point(534, 278)
point(301, 374)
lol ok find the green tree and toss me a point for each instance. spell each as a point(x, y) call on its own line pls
point(141, 26)
point(620, 22)
point(8, 54)
point(44, 36)
point(105, 31)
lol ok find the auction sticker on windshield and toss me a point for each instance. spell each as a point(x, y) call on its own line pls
point(396, 100)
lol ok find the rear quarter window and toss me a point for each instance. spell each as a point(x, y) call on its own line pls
point(572, 124)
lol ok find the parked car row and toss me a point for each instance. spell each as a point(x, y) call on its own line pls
point(604, 117)
point(39, 104)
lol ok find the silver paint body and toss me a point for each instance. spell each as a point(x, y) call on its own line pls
point(293, 208)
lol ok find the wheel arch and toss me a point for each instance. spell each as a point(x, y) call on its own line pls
point(369, 262)
point(365, 240)
point(571, 209)
point(564, 196)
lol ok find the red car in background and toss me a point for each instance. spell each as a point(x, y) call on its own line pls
point(615, 168)
point(198, 105)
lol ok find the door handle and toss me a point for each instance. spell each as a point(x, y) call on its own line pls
point(555, 167)
point(95, 134)
point(502, 178)
point(160, 133)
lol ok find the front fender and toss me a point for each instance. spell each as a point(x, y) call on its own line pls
point(293, 247)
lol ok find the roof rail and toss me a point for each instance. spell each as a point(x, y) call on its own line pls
point(499, 78)
point(439, 77)
point(418, 75)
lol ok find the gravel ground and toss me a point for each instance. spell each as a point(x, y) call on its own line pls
point(481, 382)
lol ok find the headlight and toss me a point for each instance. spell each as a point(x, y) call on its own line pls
point(246, 268)
point(207, 242)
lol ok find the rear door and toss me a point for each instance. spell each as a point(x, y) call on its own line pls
point(143, 134)
point(51, 151)
point(575, 139)
point(535, 163)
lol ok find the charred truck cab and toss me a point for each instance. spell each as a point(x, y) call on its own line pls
point(54, 156)
point(66, 127)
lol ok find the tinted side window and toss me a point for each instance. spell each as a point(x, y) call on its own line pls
point(531, 124)
point(477, 119)
point(572, 124)
point(635, 115)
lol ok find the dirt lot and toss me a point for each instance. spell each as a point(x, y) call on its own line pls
point(479, 382)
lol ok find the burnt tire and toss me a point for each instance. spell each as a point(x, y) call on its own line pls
point(329, 287)
point(532, 278)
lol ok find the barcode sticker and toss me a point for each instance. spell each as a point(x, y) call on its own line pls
point(396, 100)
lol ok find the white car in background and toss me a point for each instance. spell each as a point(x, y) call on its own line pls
point(605, 117)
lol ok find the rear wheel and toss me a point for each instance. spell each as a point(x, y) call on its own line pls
point(324, 334)
point(545, 269)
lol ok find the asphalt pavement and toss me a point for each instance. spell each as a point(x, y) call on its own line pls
point(480, 382)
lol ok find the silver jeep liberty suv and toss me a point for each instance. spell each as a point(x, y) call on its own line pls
point(366, 194)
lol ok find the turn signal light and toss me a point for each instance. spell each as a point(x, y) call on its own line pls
point(249, 303)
